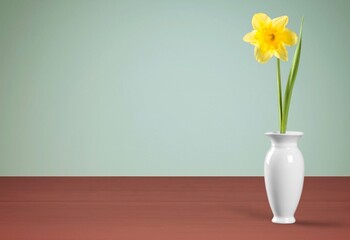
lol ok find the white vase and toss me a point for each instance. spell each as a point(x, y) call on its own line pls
point(284, 175)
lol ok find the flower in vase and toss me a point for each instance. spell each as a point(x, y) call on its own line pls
point(270, 37)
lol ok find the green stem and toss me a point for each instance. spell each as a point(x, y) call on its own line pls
point(291, 80)
point(279, 94)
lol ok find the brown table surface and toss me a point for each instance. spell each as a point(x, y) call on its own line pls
point(166, 208)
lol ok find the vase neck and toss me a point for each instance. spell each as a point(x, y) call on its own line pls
point(289, 139)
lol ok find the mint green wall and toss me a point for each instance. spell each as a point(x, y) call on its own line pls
point(164, 87)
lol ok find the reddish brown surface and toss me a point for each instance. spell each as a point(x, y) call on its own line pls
point(182, 208)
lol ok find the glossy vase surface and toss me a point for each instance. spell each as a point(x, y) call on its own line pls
point(284, 175)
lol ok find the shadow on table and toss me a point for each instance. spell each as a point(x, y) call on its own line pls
point(259, 214)
point(318, 223)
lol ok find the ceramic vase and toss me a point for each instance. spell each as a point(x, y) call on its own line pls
point(284, 175)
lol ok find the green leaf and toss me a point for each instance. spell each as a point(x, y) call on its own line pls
point(291, 80)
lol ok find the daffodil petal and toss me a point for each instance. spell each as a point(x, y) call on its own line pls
point(260, 20)
point(250, 37)
point(261, 55)
point(281, 52)
point(288, 37)
point(280, 22)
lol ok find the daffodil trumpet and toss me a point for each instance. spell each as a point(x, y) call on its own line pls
point(270, 38)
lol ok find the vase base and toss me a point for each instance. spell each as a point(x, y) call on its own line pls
point(283, 220)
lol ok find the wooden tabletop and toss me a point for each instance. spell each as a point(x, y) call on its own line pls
point(122, 208)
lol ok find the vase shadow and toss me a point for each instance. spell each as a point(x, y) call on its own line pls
point(317, 223)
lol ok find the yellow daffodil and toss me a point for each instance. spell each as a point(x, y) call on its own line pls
point(270, 37)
